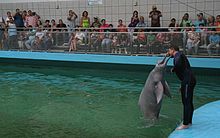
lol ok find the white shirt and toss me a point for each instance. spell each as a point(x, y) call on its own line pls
point(80, 35)
point(40, 34)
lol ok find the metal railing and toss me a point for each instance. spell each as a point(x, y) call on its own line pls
point(136, 41)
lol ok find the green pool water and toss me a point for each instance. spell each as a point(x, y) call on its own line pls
point(66, 102)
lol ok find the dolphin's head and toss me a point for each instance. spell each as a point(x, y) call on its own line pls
point(161, 65)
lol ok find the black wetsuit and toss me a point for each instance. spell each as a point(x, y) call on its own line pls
point(188, 81)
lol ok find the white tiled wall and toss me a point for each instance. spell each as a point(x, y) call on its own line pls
point(113, 10)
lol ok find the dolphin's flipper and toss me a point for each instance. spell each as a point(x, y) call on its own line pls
point(166, 88)
point(159, 91)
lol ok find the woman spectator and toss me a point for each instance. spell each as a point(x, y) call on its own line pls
point(134, 19)
point(31, 20)
point(24, 17)
point(39, 24)
point(211, 21)
point(185, 21)
point(104, 26)
point(85, 20)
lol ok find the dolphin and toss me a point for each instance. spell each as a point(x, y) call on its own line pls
point(155, 87)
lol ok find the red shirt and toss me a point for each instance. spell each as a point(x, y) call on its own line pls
point(217, 24)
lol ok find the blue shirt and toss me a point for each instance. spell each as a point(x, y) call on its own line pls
point(12, 29)
point(214, 38)
point(197, 23)
point(19, 20)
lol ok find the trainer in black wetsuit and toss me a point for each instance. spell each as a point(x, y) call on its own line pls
point(188, 81)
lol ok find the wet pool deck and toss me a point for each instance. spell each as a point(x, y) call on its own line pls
point(206, 123)
point(213, 63)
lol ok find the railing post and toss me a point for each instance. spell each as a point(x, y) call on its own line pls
point(184, 41)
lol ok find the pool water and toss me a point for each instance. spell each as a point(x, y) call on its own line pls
point(75, 102)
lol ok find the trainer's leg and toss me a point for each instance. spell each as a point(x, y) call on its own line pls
point(187, 95)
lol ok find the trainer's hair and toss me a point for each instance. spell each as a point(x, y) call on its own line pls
point(176, 48)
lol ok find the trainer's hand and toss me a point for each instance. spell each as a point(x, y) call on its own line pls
point(167, 54)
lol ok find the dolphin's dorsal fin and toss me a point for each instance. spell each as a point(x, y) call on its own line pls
point(159, 91)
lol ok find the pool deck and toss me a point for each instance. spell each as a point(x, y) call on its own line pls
point(206, 123)
point(213, 63)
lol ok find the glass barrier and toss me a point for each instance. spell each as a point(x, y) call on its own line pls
point(135, 41)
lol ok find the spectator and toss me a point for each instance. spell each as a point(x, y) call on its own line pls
point(210, 22)
point(85, 20)
point(61, 26)
point(31, 38)
point(47, 25)
point(174, 37)
point(31, 20)
point(141, 39)
point(24, 16)
point(8, 16)
point(61, 35)
point(71, 21)
point(155, 17)
point(141, 22)
point(111, 28)
point(134, 19)
point(151, 40)
point(193, 40)
point(47, 41)
point(96, 23)
point(104, 25)
point(94, 40)
point(106, 37)
point(122, 36)
point(121, 26)
point(217, 23)
point(39, 24)
point(214, 40)
point(173, 25)
point(203, 37)
point(185, 21)
point(53, 25)
point(39, 36)
point(53, 30)
point(12, 33)
point(18, 20)
point(75, 39)
point(200, 20)
point(1, 33)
